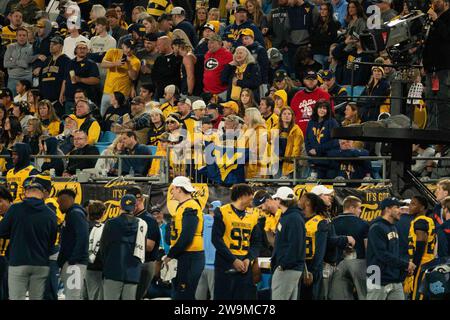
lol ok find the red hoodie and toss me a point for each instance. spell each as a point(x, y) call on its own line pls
point(302, 104)
point(214, 64)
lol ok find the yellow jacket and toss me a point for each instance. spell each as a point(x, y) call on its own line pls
point(256, 142)
point(294, 148)
point(156, 163)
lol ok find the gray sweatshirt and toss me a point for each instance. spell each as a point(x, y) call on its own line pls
point(18, 60)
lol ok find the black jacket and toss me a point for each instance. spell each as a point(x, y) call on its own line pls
point(74, 237)
point(166, 70)
point(383, 251)
point(289, 248)
point(81, 164)
point(31, 227)
point(261, 57)
point(251, 78)
point(437, 46)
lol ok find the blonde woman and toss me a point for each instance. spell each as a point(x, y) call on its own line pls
point(105, 165)
point(188, 84)
point(256, 141)
point(242, 72)
point(97, 11)
point(50, 123)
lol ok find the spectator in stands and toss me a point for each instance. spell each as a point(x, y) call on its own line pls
point(101, 43)
point(106, 165)
point(201, 18)
point(325, 33)
point(81, 147)
point(41, 45)
point(280, 100)
point(256, 141)
point(199, 109)
point(355, 19)
point(33, 96)
point(290, 142)
point(242, 22)
point(387, 13)
point(9, 32)
point(162, 145)
point(351, 114)
point(70, 43)
point(216, 59)
point(246, 100)
point(137, 120)
point(283, 82)
point(73, 252)
point(131, 146)
point(22, 112)
point(32, 134)
point(180, 22)
point(49, 146)
point(148, 57)
point(65, 139)
point(17, 60)
point(216, 117)
point(123, 68)
point(242, 72)
point(421, 151)
point(166, 70)
point(97, 11)
point(22, 89)
point(276, 63)
point(6, 201)
point(189, 85)
point(279, 25)
point(81, 73)
point(305, 100)
point(378, 87)
point(349, 169)
point(118, 108)
point(158, 126)
point(86, 122)
point(260, 54)
point(338, 93)
point(340, 11)
point(50, 123)
point(6, 98)
point(117, 31)
point(318, 141)
point(12, 132)
point(304, 62)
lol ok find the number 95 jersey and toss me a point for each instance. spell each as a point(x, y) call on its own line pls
point(238, 230)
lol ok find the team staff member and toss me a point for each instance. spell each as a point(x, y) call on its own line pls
point(6, 201)
point(383, 258)
point(31, 227)
point(288, 257)
point(122, 262)
point(186, 240)
point(73, 253)
point(152, 242)
point(443, 231)
point(421, 243)
point(351, 269)
point(237, 240)
point(15, 177)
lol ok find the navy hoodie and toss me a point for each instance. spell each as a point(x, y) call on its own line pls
point(383, 251)
point(117, 250)
point(57, 164)
point(74, 237)
point(31, 227)
point(289, 248)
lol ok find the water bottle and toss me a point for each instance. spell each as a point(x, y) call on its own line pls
point(52, 173)
point(131, 173)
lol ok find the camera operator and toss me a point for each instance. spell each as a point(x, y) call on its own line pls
point(437, 65)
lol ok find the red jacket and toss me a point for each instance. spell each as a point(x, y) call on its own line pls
point(214, 64)
point(303, 103)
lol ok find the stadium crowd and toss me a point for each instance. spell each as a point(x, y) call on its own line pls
point(225, 91)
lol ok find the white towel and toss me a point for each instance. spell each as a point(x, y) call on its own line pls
point(94, 241)
point(139, 248)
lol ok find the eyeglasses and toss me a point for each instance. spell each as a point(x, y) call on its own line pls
point(171, 122)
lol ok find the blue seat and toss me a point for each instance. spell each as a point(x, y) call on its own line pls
point(357, 91)
point(101, 147)
point(107, 136)
point(152, 149)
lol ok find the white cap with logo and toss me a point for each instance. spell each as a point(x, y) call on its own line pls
point(321, 189)
point(198, 104)
point(183, 182)
point(284, 193)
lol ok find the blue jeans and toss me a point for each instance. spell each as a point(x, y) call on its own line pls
point(322, 59)
point(189, 270)
point(106, 102)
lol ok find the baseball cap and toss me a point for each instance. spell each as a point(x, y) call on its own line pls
point(215, 24)
point(378, 68)
point(185, 100)
point(284, 193)
point(183, 182)
point(111, 13)
point(57, 39)
point(327, 75)
point(138, 28)
point(198, 104)
point(232, 105)
point(215, 37)
point(137, 100)
point(177, 10)
point(390, 202)
point(151, 36)
point(234, 118)
point(128, 202)
point(310, 75)
point(215, 204)
point(154, 209)
point(5, 92)
point(213, 106)
point(321, 189)
point(81, 43)
point(260, 198)
point(280, 75)
point(241, 8)
point(174, 117)
point(39, 181)
point(40, 24)
point(164, 16)
point(247, 32)
point(274, 55)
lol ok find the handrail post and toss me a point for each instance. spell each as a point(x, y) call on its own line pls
point(119, 167)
